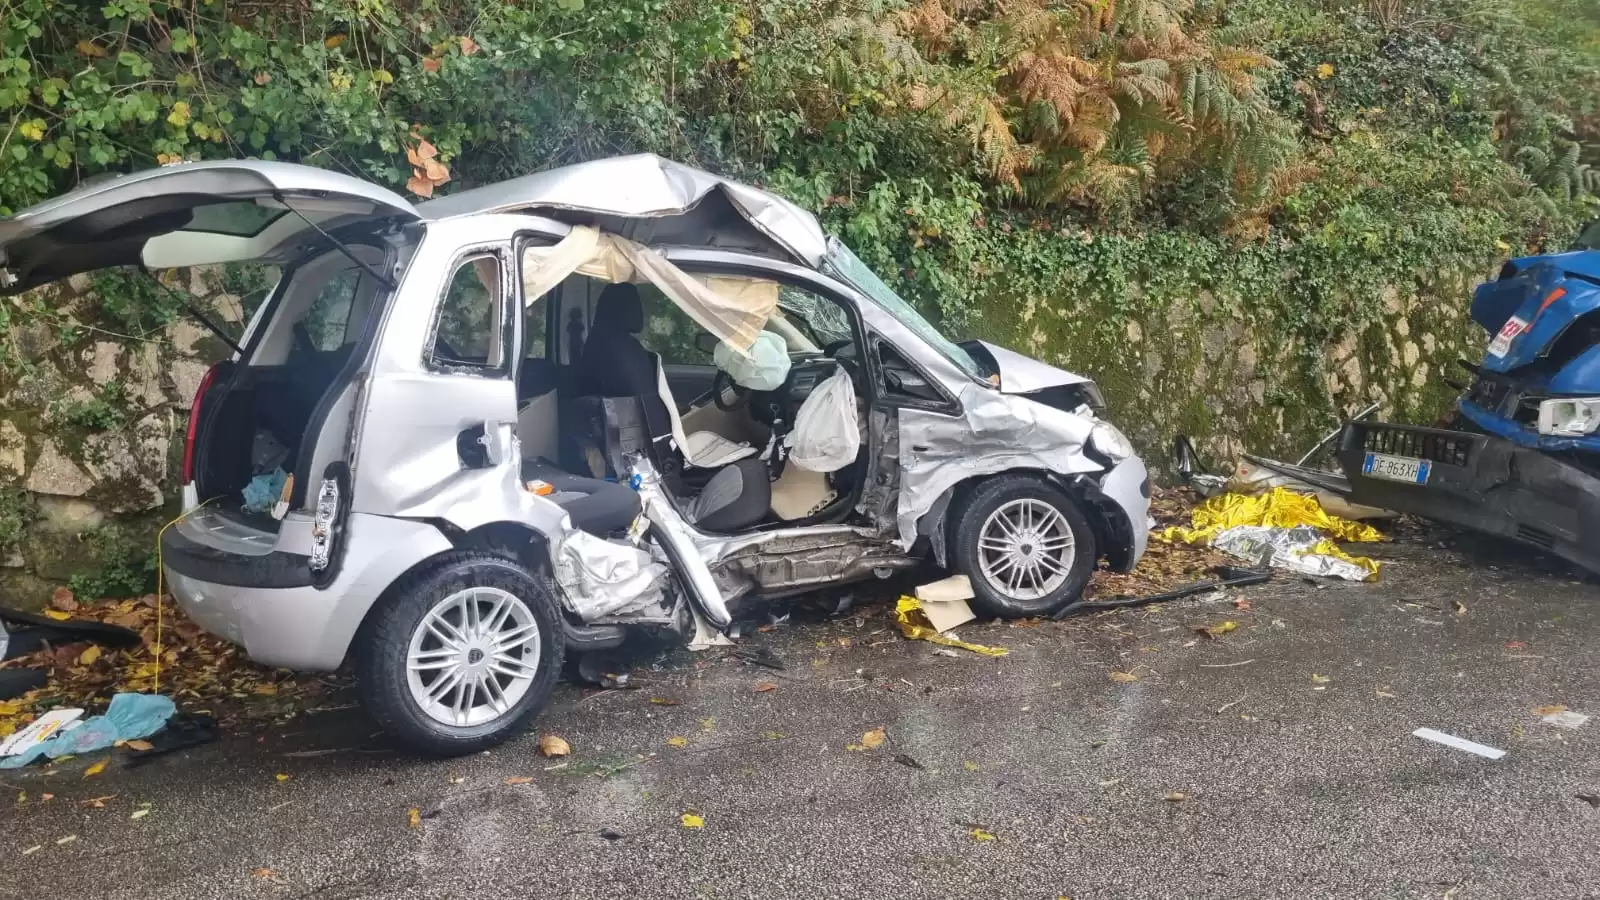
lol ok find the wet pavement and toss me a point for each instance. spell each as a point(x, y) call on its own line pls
point(1274, 761)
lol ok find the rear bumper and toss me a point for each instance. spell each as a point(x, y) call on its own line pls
point(1485, 483)
point(289, 625)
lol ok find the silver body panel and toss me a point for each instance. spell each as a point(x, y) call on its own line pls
point(397, 422)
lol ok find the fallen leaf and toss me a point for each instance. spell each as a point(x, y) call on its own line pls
point(690, 820)
point(1460, 608)
point(970, 766)
point(1551, 710)
point(678, 741)
point(1241, 603)
point(707, 724)
point(665, 701)
point(141, 746)
point(63, 841)
point(765, 687)
point(907, 761)
point(46, 798)
point(89, 656)
point(267, 690)
point(468, 46)
point(34, 849)
point(95, 769)
point(414, 818)
point(554, 745)
point(281, 777)
point(873, 739)
point(1175, 796)
point(1110, 782)
point(1516, 645)
point(88, 48)
point(1385, 693)
point(1123, 677)
point(334, 41)
point(430, 65)
point(979, 835)
point(57, 614)
point(97, 802)
point(772, 735)
point(265, 874)
point(1320, 679)
point(62, 599)
point(139, 814)
point(518, 779)
point(457, 780)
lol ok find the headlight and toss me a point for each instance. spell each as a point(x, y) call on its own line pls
point(1105, 438)
point(1570, 416)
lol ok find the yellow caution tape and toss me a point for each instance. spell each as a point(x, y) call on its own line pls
point(914, 624)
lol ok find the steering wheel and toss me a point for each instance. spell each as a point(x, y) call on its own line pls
point(724, 383)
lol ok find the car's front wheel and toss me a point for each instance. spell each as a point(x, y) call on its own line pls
point(461, 655)
point(1025, 545)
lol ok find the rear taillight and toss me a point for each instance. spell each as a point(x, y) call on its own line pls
point(194, 423)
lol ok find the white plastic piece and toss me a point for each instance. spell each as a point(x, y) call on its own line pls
point(826, 437)
point(1450, 740)
point(44, 727)
point(765, 369)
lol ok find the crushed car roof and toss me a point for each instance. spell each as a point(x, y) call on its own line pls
point(653, 201)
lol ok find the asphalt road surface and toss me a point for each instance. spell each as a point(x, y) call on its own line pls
point(1276, 760)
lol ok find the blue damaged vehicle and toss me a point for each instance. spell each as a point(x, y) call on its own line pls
point(1521, 458)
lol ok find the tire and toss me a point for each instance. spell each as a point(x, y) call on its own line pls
point(1034, 588)
point(452, 587)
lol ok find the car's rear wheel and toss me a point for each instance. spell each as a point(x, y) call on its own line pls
point(1026, 546)
point(461, 655)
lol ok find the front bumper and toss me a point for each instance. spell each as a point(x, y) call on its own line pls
point(1125, 494)
point(1482, 482)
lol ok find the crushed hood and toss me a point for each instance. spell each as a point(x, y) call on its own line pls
point(1019, 374)
point(653, 201)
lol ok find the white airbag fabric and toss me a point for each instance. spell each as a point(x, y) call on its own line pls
point(735, 320)
point(765, 369)
point(826, 437)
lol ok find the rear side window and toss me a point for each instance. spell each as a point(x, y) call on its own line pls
point(471, 330)
point(327, 321)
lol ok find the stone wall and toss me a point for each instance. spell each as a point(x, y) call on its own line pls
point(92, 422)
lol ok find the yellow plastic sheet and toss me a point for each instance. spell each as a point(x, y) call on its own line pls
point(1278, 508)
point(914, 625)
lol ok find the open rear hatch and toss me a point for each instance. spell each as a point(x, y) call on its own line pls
point(189, 214)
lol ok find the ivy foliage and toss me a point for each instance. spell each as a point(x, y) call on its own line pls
point(1107, 158)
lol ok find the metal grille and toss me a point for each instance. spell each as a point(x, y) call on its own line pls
point(1441, 448)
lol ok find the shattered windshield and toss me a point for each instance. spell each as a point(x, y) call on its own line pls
point(844, 264)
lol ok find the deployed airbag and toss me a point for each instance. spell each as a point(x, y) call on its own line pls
point(826, 437)
point(765, 369)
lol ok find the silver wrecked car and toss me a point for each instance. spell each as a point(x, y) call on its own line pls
point(463, 440)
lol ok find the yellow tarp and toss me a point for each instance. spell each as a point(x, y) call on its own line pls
point(1278, 508)
point(914, 624)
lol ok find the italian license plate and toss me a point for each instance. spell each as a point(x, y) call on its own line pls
point(1501, 345)
point(1397, 468)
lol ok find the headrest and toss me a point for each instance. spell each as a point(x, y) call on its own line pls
point(619, 309)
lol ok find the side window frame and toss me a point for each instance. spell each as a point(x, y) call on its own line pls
point(510, 324)
point(888, 397)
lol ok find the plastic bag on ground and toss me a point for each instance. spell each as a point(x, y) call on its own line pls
point(826, 436)
point(765, 369)
point(130, 717)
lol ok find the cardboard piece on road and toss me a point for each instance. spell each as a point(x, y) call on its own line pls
point(944, 602)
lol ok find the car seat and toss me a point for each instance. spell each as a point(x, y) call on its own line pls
point(615, 364)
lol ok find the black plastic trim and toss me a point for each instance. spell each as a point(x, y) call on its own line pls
point(193, 559)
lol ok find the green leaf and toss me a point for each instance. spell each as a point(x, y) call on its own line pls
point(182, 42)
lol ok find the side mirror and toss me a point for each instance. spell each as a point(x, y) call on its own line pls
point(706, 342)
